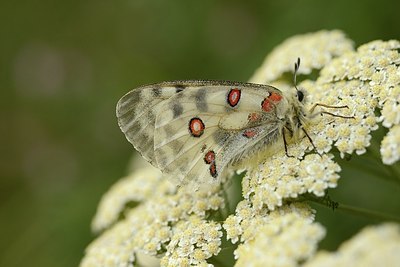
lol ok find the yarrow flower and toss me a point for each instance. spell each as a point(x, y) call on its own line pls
point(280, 238)
point(136, 187)
point(161, 219)
point(274, 181)
point(193, 242)
point(373, 246)
point(269, 223)
point(316, 50)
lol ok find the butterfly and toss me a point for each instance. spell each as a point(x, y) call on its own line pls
point(193, 130)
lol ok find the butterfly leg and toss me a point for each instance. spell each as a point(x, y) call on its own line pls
point(337, 115)
point(325, 106)
point(329, 113)
point(305, 132)
point(284, 140)
point(309, 139)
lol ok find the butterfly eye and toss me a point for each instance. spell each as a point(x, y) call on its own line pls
point(300, 95)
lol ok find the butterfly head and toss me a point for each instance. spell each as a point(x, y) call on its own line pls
point(296, 116)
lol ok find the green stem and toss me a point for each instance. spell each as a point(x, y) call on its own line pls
point(327, 202)
point(368, 213)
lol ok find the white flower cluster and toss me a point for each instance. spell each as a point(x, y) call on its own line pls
point(282, 237)
point(373, 246)
point(155, 224)
point(193, 242)
point(315, 49)
point(366, 80)
point(390, 148)
point(136, 187)
point(282, 178)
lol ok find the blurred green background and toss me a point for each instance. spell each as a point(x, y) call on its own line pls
point(64, 65)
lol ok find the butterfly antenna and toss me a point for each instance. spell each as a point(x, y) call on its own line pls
point(296, 68)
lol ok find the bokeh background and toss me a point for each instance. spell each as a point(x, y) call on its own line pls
point(64, 65)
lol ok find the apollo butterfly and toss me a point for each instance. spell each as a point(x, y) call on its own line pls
point(192, 130)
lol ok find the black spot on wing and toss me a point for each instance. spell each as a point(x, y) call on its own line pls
point(177, 110)
point(179, 88)
point(200, 97)
point(213, 170)
point(156, 91)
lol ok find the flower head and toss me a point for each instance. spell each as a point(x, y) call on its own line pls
point(282, 237)
point(166, 219)
point(193, 242)
point(373, 246)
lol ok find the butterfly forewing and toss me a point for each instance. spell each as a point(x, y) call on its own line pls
point(194, 129)
point(196, 132)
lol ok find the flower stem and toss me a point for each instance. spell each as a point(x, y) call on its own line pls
point(368, 213)
point(326, 201)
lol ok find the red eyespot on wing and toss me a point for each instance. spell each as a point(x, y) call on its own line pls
point(234, 97)
point(274, 97)
point(209, 157)
point(249, 133)
point(253, 117)
point(268, 103)
point(213, 170)
point(196, 127)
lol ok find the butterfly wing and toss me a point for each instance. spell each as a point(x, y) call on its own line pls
point(137, 111)
point(201, 130)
